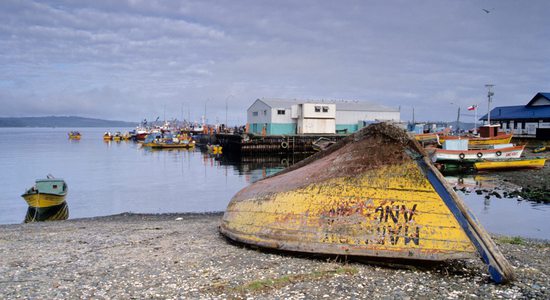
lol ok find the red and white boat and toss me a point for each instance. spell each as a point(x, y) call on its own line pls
point(474, 155)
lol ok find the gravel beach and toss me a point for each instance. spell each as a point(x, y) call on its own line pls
point(183, 256)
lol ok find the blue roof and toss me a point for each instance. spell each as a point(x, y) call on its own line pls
point(519, 112)
point(537, 96)
point(522, 111)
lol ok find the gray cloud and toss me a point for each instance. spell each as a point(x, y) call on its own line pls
point(134, 59)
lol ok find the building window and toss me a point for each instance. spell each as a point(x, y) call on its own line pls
point(325, 109)
point(280, 111)
point(255, 113)
point(317, 109)
point(265, 112)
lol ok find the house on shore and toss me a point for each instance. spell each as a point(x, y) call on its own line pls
point(530, 120)
point(288, 117)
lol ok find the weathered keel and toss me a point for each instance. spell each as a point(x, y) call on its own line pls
point(374, 194)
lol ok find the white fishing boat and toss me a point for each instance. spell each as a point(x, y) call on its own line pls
point(475, 155)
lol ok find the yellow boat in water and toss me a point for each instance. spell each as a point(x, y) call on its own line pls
point(479, 141)
point(519, 163)
point(46, 200)
point(373, 194)
point(74, 135)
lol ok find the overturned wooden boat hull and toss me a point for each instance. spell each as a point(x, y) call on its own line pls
point(522, 163)
point(373, 194)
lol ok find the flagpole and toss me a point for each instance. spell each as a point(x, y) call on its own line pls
point(475, 119)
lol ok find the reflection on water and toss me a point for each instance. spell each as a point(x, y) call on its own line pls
point(112, 177)
point(254, 168)
point(487, 198)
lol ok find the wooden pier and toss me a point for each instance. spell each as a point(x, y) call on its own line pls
point(250, 144)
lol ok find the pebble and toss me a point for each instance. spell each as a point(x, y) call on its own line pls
point(133, 256)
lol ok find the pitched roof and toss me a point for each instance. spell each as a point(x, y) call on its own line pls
point(519, 112)
point(340, 105)
point(538, 96)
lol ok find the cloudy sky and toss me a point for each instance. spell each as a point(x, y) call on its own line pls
point(136, 59)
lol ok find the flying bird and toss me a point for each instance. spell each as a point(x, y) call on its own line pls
point(486, 10)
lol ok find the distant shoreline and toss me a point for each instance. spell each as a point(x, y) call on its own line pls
point(61, 121)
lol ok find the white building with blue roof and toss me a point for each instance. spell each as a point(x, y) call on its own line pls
point(530, 120)
point(286, 117)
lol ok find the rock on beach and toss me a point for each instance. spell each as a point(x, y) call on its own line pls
point(183, 256)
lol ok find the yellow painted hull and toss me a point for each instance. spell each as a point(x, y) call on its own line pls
point(373, 215)
point(374, 194)
point(423, 137)
point(505, 139)
point(389, 211)
point(74, 137)
point(43, 200)
point(511, 164)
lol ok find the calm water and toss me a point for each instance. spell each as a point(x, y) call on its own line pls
point(111, 178)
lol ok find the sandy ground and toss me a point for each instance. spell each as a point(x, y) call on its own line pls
point(183, 256)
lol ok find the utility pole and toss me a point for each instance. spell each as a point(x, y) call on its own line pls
point(226, 113)
point(458, 120)
point(489, 99)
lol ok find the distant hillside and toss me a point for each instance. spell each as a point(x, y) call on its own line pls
point(53, 121)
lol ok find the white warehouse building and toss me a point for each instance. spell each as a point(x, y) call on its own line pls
point(281, 116)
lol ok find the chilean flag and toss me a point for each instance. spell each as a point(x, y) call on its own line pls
point(473, 107)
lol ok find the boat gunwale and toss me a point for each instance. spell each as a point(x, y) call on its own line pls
point(506, 149)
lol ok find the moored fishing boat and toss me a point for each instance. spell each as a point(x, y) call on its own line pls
point(117, 137)
point(168, 141)
point(107, 136)
point(374, 194)
point(474, 155)
point(46, 200)
point(520, 163)
point(479, 141)
point(540, 149)
point(426, 137)
point(172, 145)
point(140, 133)
point(74, 135)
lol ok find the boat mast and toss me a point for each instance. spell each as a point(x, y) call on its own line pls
point(489, 95)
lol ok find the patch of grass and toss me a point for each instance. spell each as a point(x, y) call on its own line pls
point(515, 240)
point(272, 283)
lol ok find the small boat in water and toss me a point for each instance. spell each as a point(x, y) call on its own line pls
point(519, 163)
point(107, 136)
point(426, 137)
point(46, 200)
point(540, 149)
point(74, 135)
point(474, 155)
point(479, 141)
point(117, 137)
point(167, 140)
point(373, 194)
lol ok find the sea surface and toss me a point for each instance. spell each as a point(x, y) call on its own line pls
point(106, 178)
